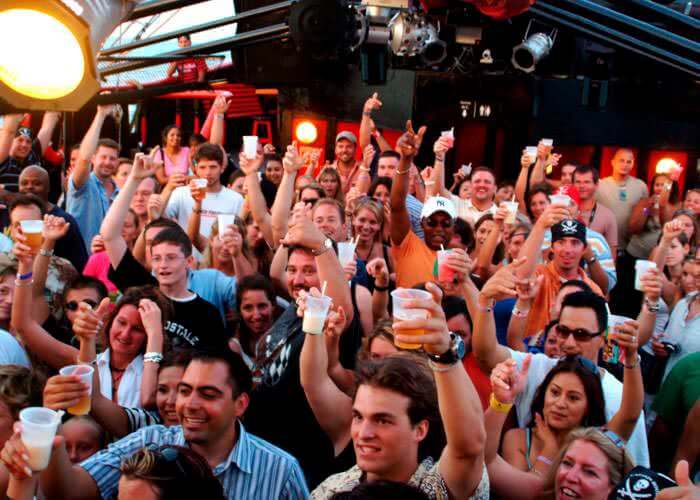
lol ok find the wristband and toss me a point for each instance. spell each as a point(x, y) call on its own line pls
point(153, 357)
point(635, 364)
point(544, 460)
point(366, 113)
point(440, 369)
point(520, 313)
point(652, 308)
point(487, 308)
point(496, 405)
point(378, 288)
point(46, 253)
point(25, 276)
point(24, 283)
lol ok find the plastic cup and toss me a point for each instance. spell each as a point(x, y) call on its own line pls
point(560, 199)
point(224, 221)
point(315, 314)
point(531, 152)
point(346, 252)
point(200, 185)
point(399, 297)
point(85, 373)
point(445, 272)
point(32, 229)
point(512, 207)
point(640, 269)
point(250, 146)
point(547, 142)
point(38, 430)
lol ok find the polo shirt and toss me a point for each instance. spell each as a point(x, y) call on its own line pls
point(89, 205)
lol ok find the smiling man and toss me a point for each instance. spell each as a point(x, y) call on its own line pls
point(212, 396)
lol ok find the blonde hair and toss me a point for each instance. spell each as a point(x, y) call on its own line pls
point(330, 171)
point(376, 208)
point(619, 461)
point(207, 255)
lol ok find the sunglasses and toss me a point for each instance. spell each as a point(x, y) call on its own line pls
point(73, 305)
point(444, 223)
point(585, 363)
point(310, 201)
point(580, 334)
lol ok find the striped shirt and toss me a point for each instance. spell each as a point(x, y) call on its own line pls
point(254, 469)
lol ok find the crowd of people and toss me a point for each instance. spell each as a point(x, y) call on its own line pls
point(526, 338)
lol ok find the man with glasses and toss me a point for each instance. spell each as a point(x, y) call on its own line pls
point(415, 258)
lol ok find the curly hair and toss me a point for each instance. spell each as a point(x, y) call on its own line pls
point(20, 388)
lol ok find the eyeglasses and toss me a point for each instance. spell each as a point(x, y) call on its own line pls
point(73, 304)
point(580, 334)
point(444, 223)
point(583, 362)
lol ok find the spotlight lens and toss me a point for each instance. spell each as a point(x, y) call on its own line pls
point(49, 64)
point(306, 132)
point(666, 165)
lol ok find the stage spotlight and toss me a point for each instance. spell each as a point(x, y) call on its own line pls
point(412, 35)
point(49, 47)
point(306, 132)
point(667, 165)
point(531, 51)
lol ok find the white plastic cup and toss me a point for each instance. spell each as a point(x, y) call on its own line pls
point(449, 134)
point(200, 183)
point(85, 373)
point(399, 297)
point(250, 146)
point(512, 207)
point(641, 267)
point(315, 314)
point(346, 252)
point(531, 152)
point(38, 430)
point(224, 221)
point(560, 199)
point(547, 142)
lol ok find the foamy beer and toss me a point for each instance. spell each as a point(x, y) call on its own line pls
point(400, 313)
point(32, 230)
point(85, 373)
point(200, 185)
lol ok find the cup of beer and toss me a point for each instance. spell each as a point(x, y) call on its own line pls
point(85, 373)
point(32, 229)
point(38, 430)
point(400, 313)
point(200, 185)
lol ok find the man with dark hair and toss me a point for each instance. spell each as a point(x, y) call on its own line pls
point(18, 147)
point(212, 396)
point(387, 165)
point(89, 194)
point(481, 201)
point(188, 70)
point(217, 200)
point(594, 215)
point(35, 180)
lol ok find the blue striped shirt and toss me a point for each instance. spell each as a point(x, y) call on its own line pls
point(254, 469)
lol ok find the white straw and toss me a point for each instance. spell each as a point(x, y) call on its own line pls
point(442, 247)
point(513, 199)
point(323, 288)
point(60, 414)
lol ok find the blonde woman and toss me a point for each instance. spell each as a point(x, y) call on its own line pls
point(329, 179)
point(367, 228)
point(229, 254)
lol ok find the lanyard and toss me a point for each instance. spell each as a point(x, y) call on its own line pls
point(591, 217)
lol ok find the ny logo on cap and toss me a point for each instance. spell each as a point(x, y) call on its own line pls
point(440, 203)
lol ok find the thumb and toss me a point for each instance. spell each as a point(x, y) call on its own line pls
point(682, 474)
point(518, 262)
point(435, 291)
point(103, 308)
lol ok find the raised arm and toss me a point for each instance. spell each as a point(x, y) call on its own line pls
point(538, 171)
point(518, 320)
point(521, 182)
point(54, 229)
point(671, 231)
point(502, 285)
point(367, 124)
point(378, 269)
point(233, 242)
point(284, 198)
point(484, 266)
point(152, 320)
point(364, 180)
point(462, 460)
point(651, 287)
point(640, 213)
point(219, 109)
point(440, 148)
point(533, 245)
point(331, 407)
point(195, 219)
point(48, 125)
point(256, 199)
point(88, 146)
point(408, 148)
point(623, 422)
point(7, 134)
point(111, 229)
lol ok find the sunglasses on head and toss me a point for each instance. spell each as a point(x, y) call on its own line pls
point(73, 304)
point(444, 223)
point(618, 442)
point(580, 334)
point(168, 456)
point(583, 362)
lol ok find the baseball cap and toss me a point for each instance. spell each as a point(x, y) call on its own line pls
point(438, 204)
point(569, 228)
point(347, 135)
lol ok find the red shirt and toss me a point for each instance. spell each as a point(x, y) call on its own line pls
point(481, 381)
point(188, 70)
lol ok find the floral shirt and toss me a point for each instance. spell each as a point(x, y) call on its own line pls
point(427, 478)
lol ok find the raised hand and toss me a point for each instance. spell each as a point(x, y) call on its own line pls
point(55, 228)
point(292, 161)
point(250, 167)
point(685, 490)
point(143, 167)
point(22, 251)
point(378, 269)
point(151, 317)
point(154, 206)
point(528, 289)
point(176, 179)
point(372, 103)
point(526, 160)
point(269, 149)
point(436, 339)
point(221, 104)
point(500, 216)
point(63, 391)
point(460, 262)
point(97, 245)
point(14, 455)
point(350, 269)
point(671, 231)
point(652, 284)
point(507, 381)
point(197, 194)
point(409, 143)
point(441, 147)
point(553, 214)
point(503, 284)
point(368, 155)
point(303, 232)
point(626, 336)
point(232, 240)
point(89, 322)
point(335, 323)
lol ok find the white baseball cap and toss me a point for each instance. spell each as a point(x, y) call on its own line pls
point(438, 204)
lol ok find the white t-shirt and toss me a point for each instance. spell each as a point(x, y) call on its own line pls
point(612, 391)
point(181, 204)
point(11, 352)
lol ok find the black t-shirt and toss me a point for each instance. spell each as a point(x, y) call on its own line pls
point(279, 411)
point(196, 323)
point(71, 246)
point(12, 167)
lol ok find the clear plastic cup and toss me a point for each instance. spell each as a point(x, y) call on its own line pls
point(38, 430)
point(547, 142)
point(315, 314)
point(640, 269)
point(399, 297)
point(560, 199)
point(32, 229)
point(224, 221)
point(250, 146)
point(531, 152)
point(346, 252)
point(445, 272)
point(512, 207)
point(85, 373)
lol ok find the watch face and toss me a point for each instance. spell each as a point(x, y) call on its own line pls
point(459, 347)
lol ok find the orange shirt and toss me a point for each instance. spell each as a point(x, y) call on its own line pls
point(538, 317)
point(414, 261)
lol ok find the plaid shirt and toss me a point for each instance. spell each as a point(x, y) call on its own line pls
point(254, 469)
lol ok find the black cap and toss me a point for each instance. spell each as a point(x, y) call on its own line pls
point(569, 229)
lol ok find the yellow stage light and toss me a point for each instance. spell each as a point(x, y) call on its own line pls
point(666, 165)
point(306, 132)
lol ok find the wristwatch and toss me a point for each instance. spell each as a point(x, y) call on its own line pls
point(327, 245)
point(591, 260)
point(454, 354)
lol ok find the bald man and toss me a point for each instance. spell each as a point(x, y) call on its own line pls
point(35, 180)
